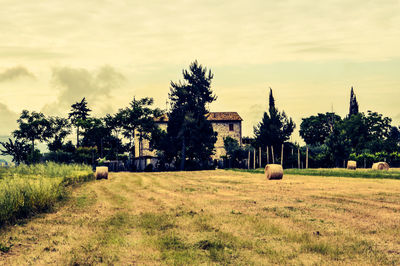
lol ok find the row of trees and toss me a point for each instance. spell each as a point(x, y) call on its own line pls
point(333, 139)
point(188, 142)
point(95, 137)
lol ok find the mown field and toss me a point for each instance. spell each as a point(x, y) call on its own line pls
point(215, 217)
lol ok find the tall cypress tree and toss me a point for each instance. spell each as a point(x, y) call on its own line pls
point(275, 128)
point(353, 103)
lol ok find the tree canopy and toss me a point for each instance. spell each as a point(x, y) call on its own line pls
point(190, 137)
point(32, 126)
point(315, 129)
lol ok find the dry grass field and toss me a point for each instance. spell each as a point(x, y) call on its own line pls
point(215, 217)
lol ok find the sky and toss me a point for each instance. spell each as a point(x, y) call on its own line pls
point(53, 53)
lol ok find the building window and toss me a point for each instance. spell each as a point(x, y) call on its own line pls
point(230, 127)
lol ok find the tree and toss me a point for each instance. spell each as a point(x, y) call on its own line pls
point(115, 123)
point(379, 130)
point(353, 103)
point(315, 129)
point(393, 140)
point(18, 149)
point(338, 144)
point(32, 126)
point(138, 119)
point(79, 113)
point(96, 134)
point(59, 129)
point(190, 137)
point(275, 127)
point(231, 146)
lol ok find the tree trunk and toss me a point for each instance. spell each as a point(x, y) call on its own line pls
point(183, 155)
point(33, 148)
point(101, 148)
point(77, 137)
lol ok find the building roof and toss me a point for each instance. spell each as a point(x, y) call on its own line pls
point(212, 116)
point(224, 116)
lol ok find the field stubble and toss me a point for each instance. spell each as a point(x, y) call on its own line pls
point(215, 217)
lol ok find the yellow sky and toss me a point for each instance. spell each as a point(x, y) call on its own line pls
point(53, 53)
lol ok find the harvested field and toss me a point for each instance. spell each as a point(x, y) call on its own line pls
point(215, 217)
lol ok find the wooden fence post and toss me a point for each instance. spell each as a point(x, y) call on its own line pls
point(307, 158)
point(273, 156)
point(254, 158)
point(298, 158)
point(248, 162)
point(292, 158)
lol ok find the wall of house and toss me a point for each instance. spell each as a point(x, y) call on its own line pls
point(223, 130)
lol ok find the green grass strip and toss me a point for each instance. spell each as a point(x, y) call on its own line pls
point(359, 173)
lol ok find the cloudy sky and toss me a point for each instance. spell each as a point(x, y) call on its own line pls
point(53, 53)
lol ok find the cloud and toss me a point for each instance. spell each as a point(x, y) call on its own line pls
point(15, 73)
point(8, 120)
point(75, 83)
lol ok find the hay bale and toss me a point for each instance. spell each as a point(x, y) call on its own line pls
point(352, 165)
point(380, 166)
point(101, 172)
point(273, 171)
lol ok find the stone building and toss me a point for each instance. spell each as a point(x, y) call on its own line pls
point(224, 123)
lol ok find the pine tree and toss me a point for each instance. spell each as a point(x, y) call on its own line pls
point(190, 136)
point(79, 113)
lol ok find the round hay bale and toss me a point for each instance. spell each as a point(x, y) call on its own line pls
point(352, 165)
point(101, 172)
point(274, 171)
point(380, 166)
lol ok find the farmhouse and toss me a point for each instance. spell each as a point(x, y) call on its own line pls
point(224, 123)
